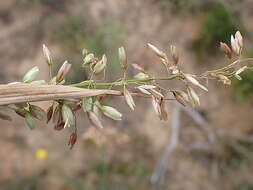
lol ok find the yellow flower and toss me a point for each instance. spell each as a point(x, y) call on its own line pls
point(41, 154)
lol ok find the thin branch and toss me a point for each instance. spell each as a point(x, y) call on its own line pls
point(160, 169)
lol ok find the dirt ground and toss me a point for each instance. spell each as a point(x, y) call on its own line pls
point(123, 154)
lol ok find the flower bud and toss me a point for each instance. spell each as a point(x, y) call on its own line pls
point(94, 119)
point(96, 110)
point(224, 79)
point(156, 93)
point(164, 114)
point(31, 75)
point(30, 122)
point(59, 126)
point(227, 51)
point(111, 112)
point(129, 99)
point(50, 112)
point(63, 71)
point(159, 107)
point(100, 66)
point(235, 45)
point(191, 79)
point(87, 104)
point(88, 59)
point(56, 114)
point(144, 91)
point(147, 87)
point(174, 69)
point(193, 97)
point(47, 55)
point(174, 54)
point(123, 58)
point(181, 97)
point(21, 112)
point(141, 76)
point(37, 112)
point(156, 51)
point(72, 140)
point(239, 38)
point(75, 106)
point(67, 115)
point(138, 67)
point(85, 52)
point(156, 105)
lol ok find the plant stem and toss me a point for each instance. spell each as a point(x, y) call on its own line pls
point(121, 82)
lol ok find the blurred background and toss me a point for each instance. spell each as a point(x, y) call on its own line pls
point(124, 155)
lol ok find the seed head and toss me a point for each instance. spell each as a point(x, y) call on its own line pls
point(63, 71)
point(192, 80)
point(30, 121)
point(100, 66)
point(159, 107)
point(72, 140)
point(87, 104)
point(129, 99)
point(174, 54)
point(94, 119)
point(144, 91)
point(235, 45)
point(141, 76)
point(158, 52)
point(181, 97)
point(239, 38)
point(224, 79)
point(67, 115)
point(123, 58)
point(226, 49)
point(31, 75)
point(147, 87)
point(138, 67)
point(193, 97)
point(156, 93)
point(88, 59)
point(85, 52)
point(47, 55)
point(37, 112)
point(111, 112)
point(50, 112)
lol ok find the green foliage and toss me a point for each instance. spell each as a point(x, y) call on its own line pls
point(244, 89)
point(217, 25)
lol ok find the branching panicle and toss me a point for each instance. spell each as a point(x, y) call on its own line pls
point(63, 111)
